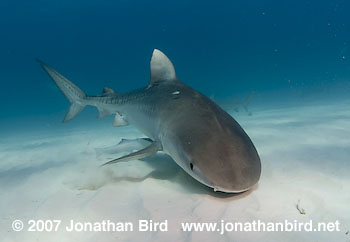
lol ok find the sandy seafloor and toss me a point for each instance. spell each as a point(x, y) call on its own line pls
point(305, 155)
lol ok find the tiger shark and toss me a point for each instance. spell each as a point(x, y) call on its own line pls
point(204, 140)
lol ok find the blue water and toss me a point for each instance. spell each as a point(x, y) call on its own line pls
point(293, 55)
point(222, 49)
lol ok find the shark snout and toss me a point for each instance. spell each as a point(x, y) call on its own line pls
point(232, 180)
point(226, 169)
point(239, 180)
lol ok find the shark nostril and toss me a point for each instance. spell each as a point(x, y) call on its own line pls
point(191, 165)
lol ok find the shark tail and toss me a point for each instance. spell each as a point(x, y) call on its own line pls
point(74, 94)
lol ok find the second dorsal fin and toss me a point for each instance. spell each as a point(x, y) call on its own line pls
point(106, 91)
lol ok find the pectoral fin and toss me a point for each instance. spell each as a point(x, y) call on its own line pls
point(149, 150)
point(125, 145)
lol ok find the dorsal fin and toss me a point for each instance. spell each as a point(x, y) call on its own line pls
point(106, 91)
point(161, 68)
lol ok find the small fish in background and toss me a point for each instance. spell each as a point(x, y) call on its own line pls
point(236, 104)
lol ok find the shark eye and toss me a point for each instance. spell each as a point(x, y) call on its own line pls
point(191, 165)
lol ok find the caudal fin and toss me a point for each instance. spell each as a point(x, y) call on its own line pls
point(73, 93)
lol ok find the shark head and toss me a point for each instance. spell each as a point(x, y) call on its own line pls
point(222, 165)
point(223, 159)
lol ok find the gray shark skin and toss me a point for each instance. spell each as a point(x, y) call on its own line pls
point(200, 136)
